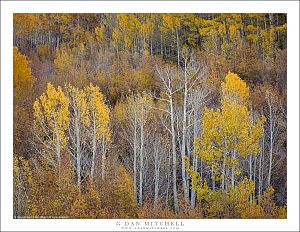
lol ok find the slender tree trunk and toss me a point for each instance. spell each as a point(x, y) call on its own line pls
point(103, 158)
point(259, 175)
point(156, 178)
point(254, 175)
point(193, 194)
point(57, 42)
point(183, 143)
point(250, 167)
point(271, 143)
point(176, 206)
point(213, 179)
point(262, 167)
point(78, 152)
point(161, 47)
point(223, 172)
point(94, 147)
point(178, 48)
point(135, 157)
point(201, 170)
point(195, 159)
point(58, 148)
point(232, 171)
point(141, 159)
point(168, 179)
point(250, 173)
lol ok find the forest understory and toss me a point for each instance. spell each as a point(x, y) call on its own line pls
point(150, 115)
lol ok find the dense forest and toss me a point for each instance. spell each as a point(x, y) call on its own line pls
point(150, 115)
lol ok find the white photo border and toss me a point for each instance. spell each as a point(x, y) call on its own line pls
point(10, 7)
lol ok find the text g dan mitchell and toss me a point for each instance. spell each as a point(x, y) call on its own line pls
point(150, 224)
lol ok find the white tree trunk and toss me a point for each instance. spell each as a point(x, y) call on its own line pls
point(58, 148)
point(233, 170)
point(178, 48)
point(271, 141)
point(254, 174)
point(78, 152)
point(157, 161)
point(94, 147)
point(184, 129)
point(135, 157)
point(168, 179)
point(176, 206)
point(103, 159)
point(141, 159)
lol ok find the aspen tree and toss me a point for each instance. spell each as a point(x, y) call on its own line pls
point(22, 76)
point(100, 132)
point(229, 132)
point(79, 120)
point(51, 121)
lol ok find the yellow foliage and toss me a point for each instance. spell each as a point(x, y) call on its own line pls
point(100, 33)
point(78, 103)
point(98, 111)
point(229, 132)
point(122, 195)
point(23, 79)
point(234, 89)
point(51, 117)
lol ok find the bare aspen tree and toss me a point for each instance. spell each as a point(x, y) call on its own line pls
point(169, 79)
point(79, 120)
point(192, 74)
point(198, 100)
point(273, 116)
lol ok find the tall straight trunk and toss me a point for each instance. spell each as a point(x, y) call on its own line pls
point(195, 159)
point(135, 157)
point(232, 171)
point(250, 173)
point(254, 175)
point(178, 47)
point(176, 206)
point(227, 170)
point(193, 194)
point(223, 172)
point(278, 33)
point(262, 167)
point(213, 179)
point(259, 175)
point(57, 42)
point(58, 148)
point(103, 159)
point(183, 143)
point(161, 47)
point(49, 37)
point(263, 50)
point(168, 179)
point(78, 152)
point(189, 152)
point(141, 159)
point(156, 178)
point(271, 142)
point(94, 147)
point(201, 170)
point(271, 128)
point(250, 167)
